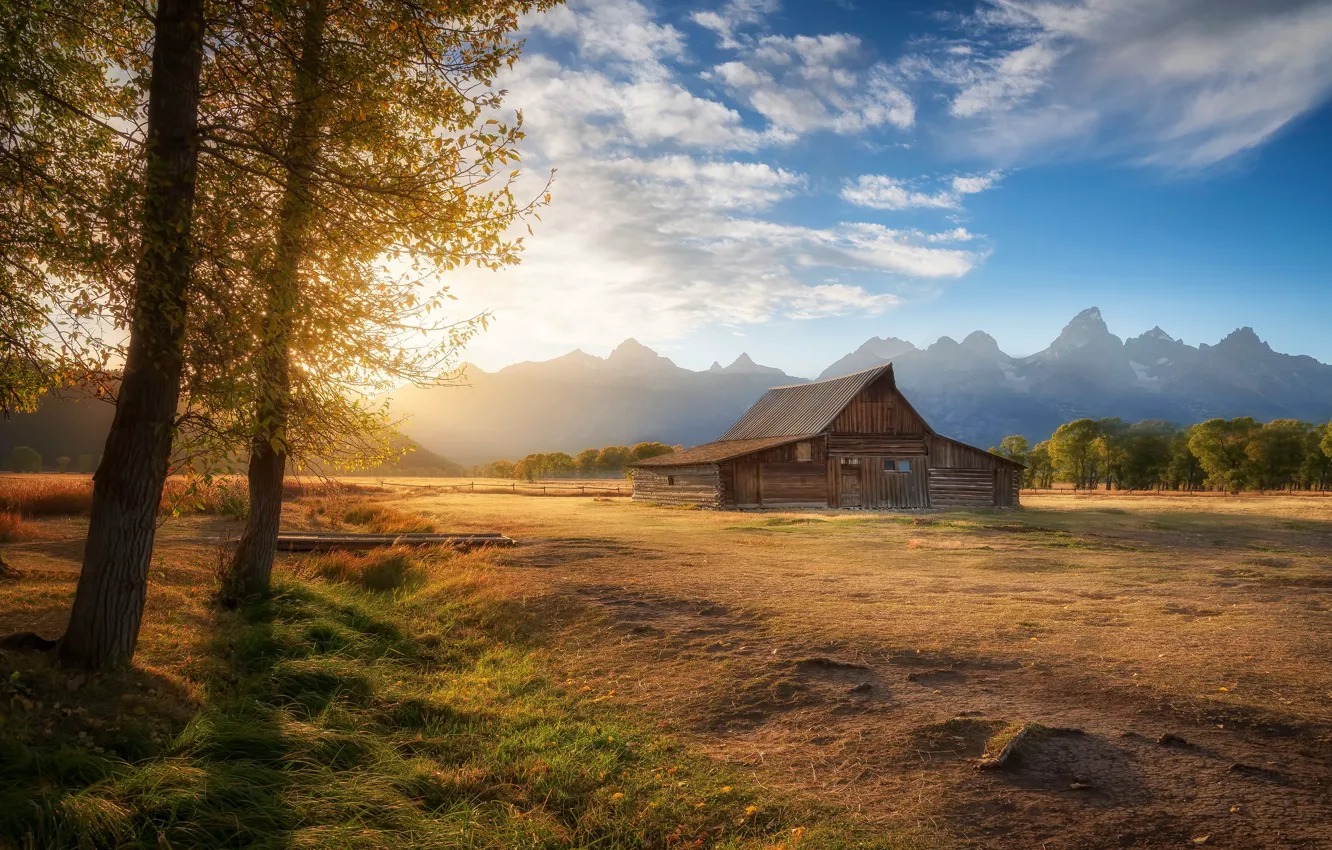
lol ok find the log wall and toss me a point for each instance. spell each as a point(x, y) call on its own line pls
point(684, 485)
point(792, 485)
point(962, 488)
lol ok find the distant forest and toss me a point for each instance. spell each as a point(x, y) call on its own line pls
point(1220, 454)
point(590, 463)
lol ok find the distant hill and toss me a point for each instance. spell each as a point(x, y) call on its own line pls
point(970, 390)
point(579, 401)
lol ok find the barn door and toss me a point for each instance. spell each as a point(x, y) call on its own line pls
point(746, 485)
point(849, 483)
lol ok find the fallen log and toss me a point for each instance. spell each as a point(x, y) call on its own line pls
point(323, 541)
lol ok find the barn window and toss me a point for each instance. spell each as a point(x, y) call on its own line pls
point(670, 480)
point(804, 452)
point(897, 466)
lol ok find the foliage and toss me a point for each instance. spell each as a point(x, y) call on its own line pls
point(1075, 451)
point(1014, 447)
point(610, 460)
point(25, 459)
point(1040, 466)
point(1221, 447)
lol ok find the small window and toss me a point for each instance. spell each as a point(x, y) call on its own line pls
point(804, 452)
point(897, 466)
point(850, 461)
point(670, 480)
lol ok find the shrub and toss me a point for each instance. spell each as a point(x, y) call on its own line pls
point(25, 459)
point(62, 464)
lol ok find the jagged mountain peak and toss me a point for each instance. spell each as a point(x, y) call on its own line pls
point(979, 342)
point(716, 367)
point(633, 354)
point(1084, 329)
point(1243, 340)
point(1158, 334)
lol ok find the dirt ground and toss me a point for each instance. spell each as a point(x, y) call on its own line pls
point(868, 659)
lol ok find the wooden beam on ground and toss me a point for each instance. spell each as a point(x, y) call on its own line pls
point(323, 541)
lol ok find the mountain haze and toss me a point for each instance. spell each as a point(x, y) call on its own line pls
point(970, 390)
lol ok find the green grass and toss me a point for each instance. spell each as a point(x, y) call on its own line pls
point(400, 702)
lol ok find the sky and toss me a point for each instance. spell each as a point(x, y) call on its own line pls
point(788, 178)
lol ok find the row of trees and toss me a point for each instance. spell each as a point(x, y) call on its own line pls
point(28, 459)
point(233, 216)
point(589, 463)
point(1219, 454)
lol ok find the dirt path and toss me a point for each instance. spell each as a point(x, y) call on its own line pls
point(898, 735)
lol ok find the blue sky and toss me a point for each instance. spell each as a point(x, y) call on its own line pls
point(790, 177)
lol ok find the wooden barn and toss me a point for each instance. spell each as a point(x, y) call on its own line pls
point(851, 442)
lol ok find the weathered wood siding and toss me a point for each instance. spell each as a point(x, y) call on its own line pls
point(867, 485)
point(684, 485)
point(878, 409)
point(863, 445)
point(961, 488)
point(792, 485)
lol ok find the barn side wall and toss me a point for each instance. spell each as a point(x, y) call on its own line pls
point(699, 485)
point(963, 476)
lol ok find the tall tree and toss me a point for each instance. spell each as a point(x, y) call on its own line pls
point(1073, 448)
point(1221, 447)
point(1316, 468)
point(382, 152)
point(1040, 466)
point(1183, 470)
point(1147, 448)
point(1014, 447)
point(1277, 450)
point(108, 603)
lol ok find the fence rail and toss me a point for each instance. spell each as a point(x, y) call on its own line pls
point(546, 489)
point(1180, 494)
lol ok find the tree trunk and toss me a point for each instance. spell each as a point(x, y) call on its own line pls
point(252, 568)
point(108, 604)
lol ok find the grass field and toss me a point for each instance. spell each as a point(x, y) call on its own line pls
point(841, 673)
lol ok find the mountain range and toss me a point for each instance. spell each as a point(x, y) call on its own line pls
point(969, 390)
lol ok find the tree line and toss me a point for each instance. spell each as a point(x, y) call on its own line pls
point(1231, 455)
point(233, 218)
point(589, 463)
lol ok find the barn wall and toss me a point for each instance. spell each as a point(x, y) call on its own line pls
point(877, 488)
point(878, 409)
point(683, 485)
point(962, 488)
point(793, 485)
point(965, 476)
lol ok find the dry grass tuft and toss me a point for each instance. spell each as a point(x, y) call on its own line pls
point(15, 529)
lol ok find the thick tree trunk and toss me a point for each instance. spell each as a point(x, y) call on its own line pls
point(108, 604)
point(252, 568)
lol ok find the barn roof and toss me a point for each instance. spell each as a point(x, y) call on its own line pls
point(803, 408)
point(720, 450)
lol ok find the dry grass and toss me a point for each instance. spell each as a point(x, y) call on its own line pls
point(868, 658)
point(71, 495)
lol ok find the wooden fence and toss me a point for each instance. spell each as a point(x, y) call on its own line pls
point(546, 489)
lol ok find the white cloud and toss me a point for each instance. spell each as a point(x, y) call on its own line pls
point(803, 83)
point(612, 29)
point(666, 216)
point(732, 16)
point(1184, 83)
point(881, 192)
